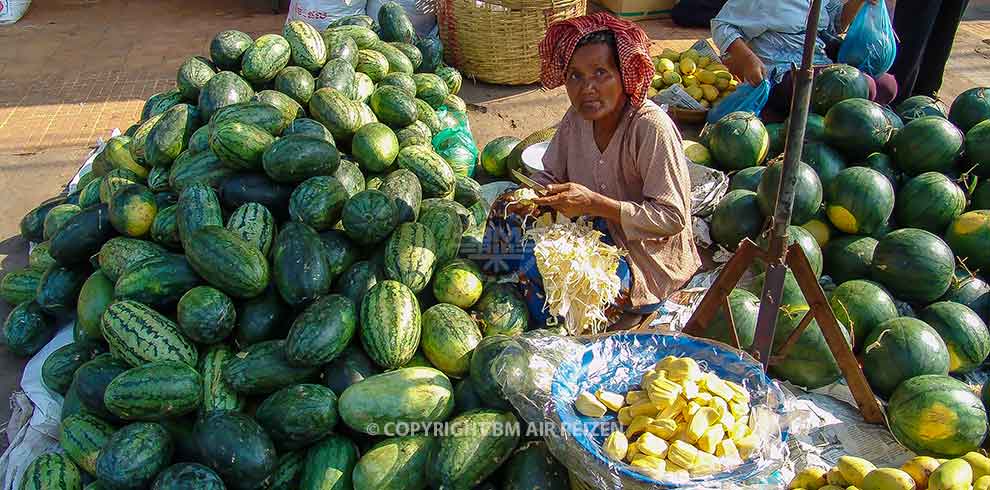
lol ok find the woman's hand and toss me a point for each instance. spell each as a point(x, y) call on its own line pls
point(573, 200)
point(744, 64)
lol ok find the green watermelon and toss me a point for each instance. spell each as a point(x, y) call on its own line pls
point(228, 262)
point(296, 82)
point(262, 368)
point(349, 174)
point(299, 415)
point(261, 318)
point(397, 463)
point(57, 218)
point(969, 290)
point(253, 223)
point(486, 369)
point(299, 264)
point(410, 395)
point(188, 476)
point(318, 202)
point(139, 335)
point(350, 367)
point(225, 88)
point(288, 108)
point(60, 366)
point(860, 200)
point(927, 144)
point(411, 51)
point(340, 46)
point(964, 333)
point(266, 56)
point(307, 47)
point(206, 315)
point(744, 307)
point(807, 242)
point(966, 237)
point(227, 48)
point(322, 331)
point(937, 415)
point(397, 60)
point(83, 436)
point(849, 257)
point(339, 75)
point(51, 471)
point(364, 87)
point(21, 285)
point(217, 394)
point(915, 265)
point(451, 77)
point(407, 194)
point(919, 106)
point(132, 210)
point(835, 84)
point(236, 447)
point(198, 168)
point(977, 141)
point(860, 306)
point(329, 465)
point(393, 106)
point(858, 127)
point(435, 175)
point(502, 311)
point(154, 391)
point(534, 466)
point(739, 140)
point(293, 159)
point(447, 230)
point(777, 136)
point(747, 179)
point(737, 216)
point(970, 108)
point(375, 147)
point(369, 216)
point(496, 153)
point(372, 63)
point(448, 339)
point(390, 324)
point(465, 460)
point(807, 192)
point(826, 161)
point(930, 201)
point(900, 349)
point(157, 281)
point(134, 456)
point(458, 282)
point(403, 81)
point(91, 380)
point(334, 110)
point(431, 88)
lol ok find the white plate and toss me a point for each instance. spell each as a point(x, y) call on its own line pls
point(532, 157)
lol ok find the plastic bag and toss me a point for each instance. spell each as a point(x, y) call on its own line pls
point(870, 43)
point(746, 98)
point(12, 10)
point(320, 13)
point(541, 376)
point(456, 144)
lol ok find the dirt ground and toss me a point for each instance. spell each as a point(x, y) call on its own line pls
point(72, 70)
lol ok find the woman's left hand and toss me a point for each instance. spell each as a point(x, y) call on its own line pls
point(570, 199)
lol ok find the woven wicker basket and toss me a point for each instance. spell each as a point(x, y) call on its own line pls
point(498, 41)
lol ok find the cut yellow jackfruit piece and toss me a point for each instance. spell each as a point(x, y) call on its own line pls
point(665, 363)
point(741, 394)
point(682, 454)
point(612, 401)
point(652, 445)
point(738, 409)
point(717, 387)
point(747, 445)
point(643, 408)
point(673, 410)
point(711, 438)
point(625, 418)
point(637, 426)
point(704, 398)
point(650, 466)
point(737, 431)
point(635, 396)
point(616, 446)
point(589, 406)
point(700, 422)
point(649, 376)
point(727, 449)
point(705, 464)
point(691, 390)
point(719, 405)
point(684, 368)
point(691, 409)
point(663, 391)
point(662, 428)
point(632, 452)
point(675, 473)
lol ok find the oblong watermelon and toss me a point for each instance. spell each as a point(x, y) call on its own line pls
point(860, 306)
point(930, 201)
point(900, 349)
point(964, 333)
point(968, 235)
point(914, 264)
point(937, 415)
point(928, 144)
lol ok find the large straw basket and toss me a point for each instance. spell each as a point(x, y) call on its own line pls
point(497, 41)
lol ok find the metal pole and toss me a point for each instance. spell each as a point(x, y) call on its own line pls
point(773, 283)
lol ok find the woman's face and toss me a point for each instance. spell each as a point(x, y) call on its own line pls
point(594, 83)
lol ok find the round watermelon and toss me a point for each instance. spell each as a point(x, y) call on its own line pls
point(744, 307)
point(971, 291)
point(969, 238)
point(882, 163)
point(970, 108)
point(930, 202)
point(927, 144)
point(739, 140)
point(777, 137)
point(501, 311)
point(807, 192)
point(915, 265)
point(981, 196)
point(900, 349)
point(809, 363)
point(937, 415)
point(978, 147)
point(849, 257)
point(375, 147)
point(860, 306)
point(964, 333)
point(835, 84)
point(493, 157)
point(858, 127)
point(860, 200)
point(826, 161)
point(747, 178)
point(804, 239)
point(895, 121)
point(919, 106)
point(736, 216)
point(458, 282)
point(814, 128)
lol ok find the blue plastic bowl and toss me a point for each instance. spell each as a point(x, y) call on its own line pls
point(617, 362)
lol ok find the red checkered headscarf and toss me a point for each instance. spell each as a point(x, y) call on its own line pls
point(631, 42)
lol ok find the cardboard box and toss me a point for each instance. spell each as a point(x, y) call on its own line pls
point(638, 9)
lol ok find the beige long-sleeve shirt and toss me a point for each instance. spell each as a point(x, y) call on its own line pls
point(644, 168)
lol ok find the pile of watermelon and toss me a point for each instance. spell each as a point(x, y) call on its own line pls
point(267, 285)
point(888, 206)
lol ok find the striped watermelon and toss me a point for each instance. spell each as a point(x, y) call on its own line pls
point(154, 391)
point(307, 47)
point(449, 337)
point(83, 436)
point(217, 394)
point(299, 415)
point(390, 324)
point(227, 262)
point(139, 335)
point(318, 202)
point(254, 224)
point(134, 456)
point(51, 471)
point(322, 331)
point(410, 255)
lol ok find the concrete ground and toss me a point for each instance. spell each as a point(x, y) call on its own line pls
point(72, 70)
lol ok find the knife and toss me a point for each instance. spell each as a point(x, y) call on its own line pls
point(528, 182)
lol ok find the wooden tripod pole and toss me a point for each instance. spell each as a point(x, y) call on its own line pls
point(779, 257)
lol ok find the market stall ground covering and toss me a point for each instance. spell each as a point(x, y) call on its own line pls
point(75, 75)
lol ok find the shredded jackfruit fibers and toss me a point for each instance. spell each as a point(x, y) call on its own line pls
point(579, 273)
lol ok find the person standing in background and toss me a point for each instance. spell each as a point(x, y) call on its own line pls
point(926, 29)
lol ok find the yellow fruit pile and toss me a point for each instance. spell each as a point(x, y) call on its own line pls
point(970, 472)
point(682, 422)
point(700, 76)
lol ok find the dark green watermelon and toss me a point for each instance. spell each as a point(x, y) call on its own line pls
point(968, 235)
point(900, 349)
point(807, 192)
point(971, 291)
point(919, 106)
point(858, 127)
point(978, 148)
point(927, 144)
point(915, 265)
point(859, 200)
point(747, 179)
point(835, 84)
point(860, 306)
point(937, 415)
point(970, 108)
point(744, 307)
point(964, 333)
point(930, 201)
point(736, 216)
point(826, 161)
point(739, 140)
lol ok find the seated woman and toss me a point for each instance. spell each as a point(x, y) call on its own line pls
point(618, 158)
point(765, 38)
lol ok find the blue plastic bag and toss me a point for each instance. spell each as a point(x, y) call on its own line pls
point(870, 43)
point(746, 98)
